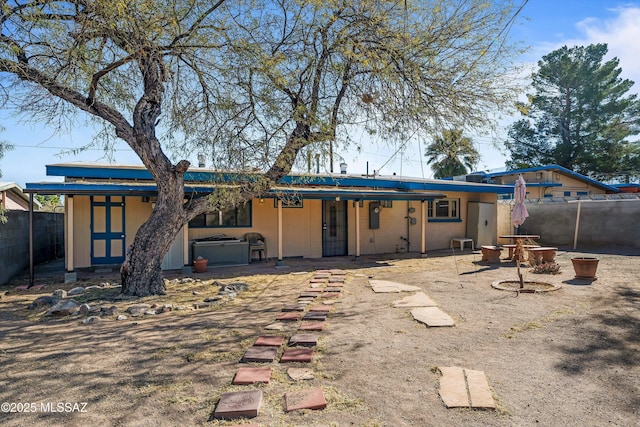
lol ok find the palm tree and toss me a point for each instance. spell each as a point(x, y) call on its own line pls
point(452, 154)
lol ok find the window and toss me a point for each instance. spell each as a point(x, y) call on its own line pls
point(386, 203)
point(289, 202)
point(443, 210)
point(240, 216)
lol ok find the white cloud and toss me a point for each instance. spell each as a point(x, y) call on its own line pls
point(621, 33)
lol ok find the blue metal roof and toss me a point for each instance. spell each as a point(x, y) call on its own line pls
point(90, 171)
point(558, 168)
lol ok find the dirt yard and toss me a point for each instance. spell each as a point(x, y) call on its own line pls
point(565, 358)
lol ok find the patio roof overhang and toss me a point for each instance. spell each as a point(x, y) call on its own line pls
point(150, 189)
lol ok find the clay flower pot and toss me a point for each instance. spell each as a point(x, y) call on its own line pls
point(200, 265)
point(585, 267)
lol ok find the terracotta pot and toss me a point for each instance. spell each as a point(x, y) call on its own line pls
point(200, 265)
point(585, 267)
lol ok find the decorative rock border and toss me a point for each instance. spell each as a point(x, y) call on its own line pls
point(498, 284)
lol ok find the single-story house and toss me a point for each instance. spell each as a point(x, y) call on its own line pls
point(12, 198)
point(305, 215)
point(547, 181)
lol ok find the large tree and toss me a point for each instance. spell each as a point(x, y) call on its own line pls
point(451, 154)
point(249, 83)
point(580, 115)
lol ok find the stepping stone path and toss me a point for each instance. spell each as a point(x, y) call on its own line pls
point(385, 286)
point(465, 388)
point(252, 375)
point(311, 398)
point(260, 354)
point(239, 404)
point(419, 299)
point(432, 316)
point(325, 284)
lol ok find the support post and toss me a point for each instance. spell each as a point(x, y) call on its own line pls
point(357, 205)
point(575, 235)
point(31, 260)
point(423, 228)
point(280, 262)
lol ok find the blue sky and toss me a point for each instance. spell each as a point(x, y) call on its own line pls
point(543, 25)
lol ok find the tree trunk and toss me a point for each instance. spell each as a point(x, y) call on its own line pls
point(141, 271)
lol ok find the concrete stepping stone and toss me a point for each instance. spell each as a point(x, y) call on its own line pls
point(314, 315)
point(313, 290)
point(316, 285)
point(260, 354)
point(299, 374)
point(277, 326)
point(311, 326)
point(239, 404)
point(252, 375)
point(337, 279)
point(465, 388)
point(290, 316)
point(321, 280)
point(419, 299)
point(308, 295)
point(269, 341)
point(305, 301)
point(322, 275)
point(432, 316)
point(304, 340)
point(311, 398)
point(322, 308)
point(303, 355)
point(386, 286)
point(337, 272)
point(332, 289)
point(336, 285)
point(330, 295)
point(293, 307)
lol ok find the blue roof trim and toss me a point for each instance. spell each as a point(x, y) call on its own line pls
point(559, 168)
point(399, 184)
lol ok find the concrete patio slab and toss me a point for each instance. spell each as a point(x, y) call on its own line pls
point(386, 286)
point(432, 316)
point(312, 398)
point(419, 299)
point(239, 404)
point(252, 375)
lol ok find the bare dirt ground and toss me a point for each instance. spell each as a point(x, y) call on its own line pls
point(565, 358)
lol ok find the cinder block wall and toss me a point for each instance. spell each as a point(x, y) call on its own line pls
point(48, 241)
point(602, 223)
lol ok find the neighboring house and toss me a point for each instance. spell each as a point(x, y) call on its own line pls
point(12, 198)
point(307, 216)
point(547, 181)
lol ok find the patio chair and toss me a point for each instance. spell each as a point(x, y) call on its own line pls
point(257, 243)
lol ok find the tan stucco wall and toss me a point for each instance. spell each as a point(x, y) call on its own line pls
point(301, 227)
point(136, 213)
